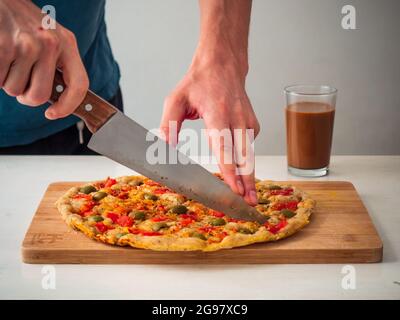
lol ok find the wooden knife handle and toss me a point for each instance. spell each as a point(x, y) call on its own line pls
point(94, 110)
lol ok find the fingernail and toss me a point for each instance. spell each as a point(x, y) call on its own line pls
point(240, 187)
point(49, 115)
point(253, 197)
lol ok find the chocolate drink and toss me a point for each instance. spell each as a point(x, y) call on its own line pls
point(309, 128)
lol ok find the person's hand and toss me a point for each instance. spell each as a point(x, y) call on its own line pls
point(29, 56)
point(215, 91)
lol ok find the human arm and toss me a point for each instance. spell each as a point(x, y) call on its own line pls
point(214, 86)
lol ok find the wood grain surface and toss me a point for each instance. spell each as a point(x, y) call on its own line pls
point(340, 231)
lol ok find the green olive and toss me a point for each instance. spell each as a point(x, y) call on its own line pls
point(138, 215)
point(199, 235)
point(136, 183)
point(87, 189)
point(245, 230)
point(95, 218)
point(99, 195)
point(274, 187)
point(179, 209)
point(263, 201)
point(288, 213)
point(121, 234)
point(159, 225)
point(149, 196)
point(218, 222)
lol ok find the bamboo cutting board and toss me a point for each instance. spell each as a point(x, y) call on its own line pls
point(340, 231)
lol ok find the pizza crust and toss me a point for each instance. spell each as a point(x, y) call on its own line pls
point(173, 242)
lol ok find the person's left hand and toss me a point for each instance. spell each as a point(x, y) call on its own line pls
point(215, 91)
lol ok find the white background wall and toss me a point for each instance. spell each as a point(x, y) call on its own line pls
point(291, 41)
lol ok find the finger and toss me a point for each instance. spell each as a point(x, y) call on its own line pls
point(250, 189)
point(248, 174)
point(19, 72)
point(248, 179)
point(220, 138)
point(6, 59)
point(4, 67)
point(251, 117)
point(76, 81)
point(245, 127)
point(41, 82)
point(172, 118)
point(244, 158)
point(254, 124)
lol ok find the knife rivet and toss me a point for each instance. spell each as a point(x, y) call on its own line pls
point(59, 88)
point(88, 107)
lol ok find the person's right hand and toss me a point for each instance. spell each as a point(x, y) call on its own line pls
point(29, 56)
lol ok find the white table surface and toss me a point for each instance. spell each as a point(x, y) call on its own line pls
point(24, 180)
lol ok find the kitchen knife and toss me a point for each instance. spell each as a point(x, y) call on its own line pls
point(121, 139)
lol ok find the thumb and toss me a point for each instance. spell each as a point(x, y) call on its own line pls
point(172, 118)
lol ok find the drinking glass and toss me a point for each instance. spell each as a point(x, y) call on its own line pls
point(310, 113)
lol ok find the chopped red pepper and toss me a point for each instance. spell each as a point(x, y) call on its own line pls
point(145, 233)
point(159, 218)
point(221, 235)
point(161, 190)
point(123, 196)
point(161, 208)
point(189, 215)
point(82, 196)
point(217, 214)
point(101, 227)
point(88, 206)
point(125, 221)
point(99, 185)
point(150, 233)
point(185, 222)
point(207, 228)
point(282, 192)
point(87, 213)
point(152, 183)
point(110, 182)
point(290, 205)
point(113, 216)
point(120, 210)
point(115, 192)
point(275, 228)
point(126, 188)
point(140, 206)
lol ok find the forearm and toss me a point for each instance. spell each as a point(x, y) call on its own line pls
point(224, 32)
point(214, 90)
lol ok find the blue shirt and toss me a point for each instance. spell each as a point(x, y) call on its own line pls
point(21, 124)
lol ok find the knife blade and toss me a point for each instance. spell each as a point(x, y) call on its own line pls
point(123, 140)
